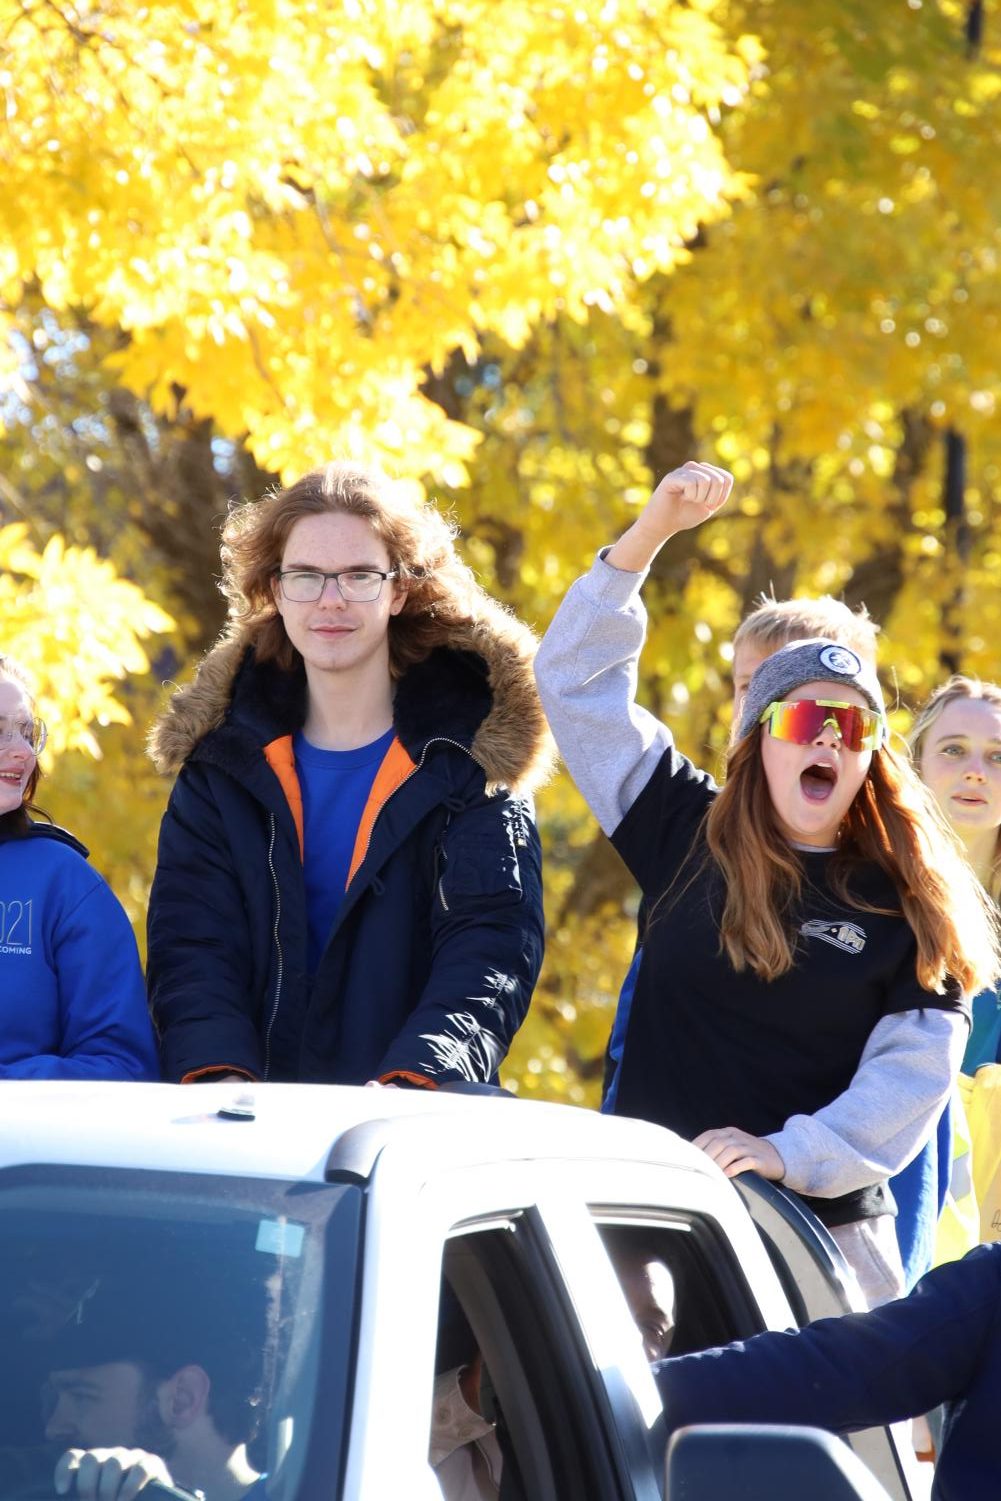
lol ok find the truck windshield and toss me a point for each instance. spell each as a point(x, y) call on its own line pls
point(198, 1320)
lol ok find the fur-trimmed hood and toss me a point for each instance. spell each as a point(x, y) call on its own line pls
point(479, 690)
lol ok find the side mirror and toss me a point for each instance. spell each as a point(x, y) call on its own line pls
point(766, 1462)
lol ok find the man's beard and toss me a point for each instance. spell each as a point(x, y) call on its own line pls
point(151, 1432)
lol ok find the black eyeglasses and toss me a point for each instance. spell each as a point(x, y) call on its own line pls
point(304, 586)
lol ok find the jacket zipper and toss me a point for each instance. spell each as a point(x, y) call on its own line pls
point(278, 947)
point(435, 740)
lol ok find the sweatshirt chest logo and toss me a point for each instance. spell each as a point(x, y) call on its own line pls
point(847, 936)
point(15, 926)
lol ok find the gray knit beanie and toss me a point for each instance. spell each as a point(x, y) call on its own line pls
point(816, 660)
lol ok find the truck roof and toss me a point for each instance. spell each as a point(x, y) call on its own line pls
point(302, 1132)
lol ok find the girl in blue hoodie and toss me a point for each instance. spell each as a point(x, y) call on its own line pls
point(72, 996)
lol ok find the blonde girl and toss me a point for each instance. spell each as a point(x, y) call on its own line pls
point(956, 745)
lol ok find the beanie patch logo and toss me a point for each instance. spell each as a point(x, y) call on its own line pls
point(840, 660)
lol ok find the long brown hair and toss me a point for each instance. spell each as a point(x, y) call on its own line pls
point(952, 691)
point(441, 591)
point(893, 822)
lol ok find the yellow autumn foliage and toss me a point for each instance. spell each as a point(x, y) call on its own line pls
point(78, 628)
point(294, 210)
point(526, 256)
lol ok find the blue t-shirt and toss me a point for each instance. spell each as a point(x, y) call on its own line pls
point(335, 787)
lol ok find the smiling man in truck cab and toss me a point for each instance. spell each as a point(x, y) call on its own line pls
point(140, 1389)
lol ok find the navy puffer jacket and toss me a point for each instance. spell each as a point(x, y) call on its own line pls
point(941, 1346)
point(430, 965)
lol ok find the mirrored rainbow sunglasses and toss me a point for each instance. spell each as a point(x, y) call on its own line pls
point(802, 720)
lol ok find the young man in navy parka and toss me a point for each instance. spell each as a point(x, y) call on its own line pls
point(348, 885)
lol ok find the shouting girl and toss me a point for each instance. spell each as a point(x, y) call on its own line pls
point(814, 934)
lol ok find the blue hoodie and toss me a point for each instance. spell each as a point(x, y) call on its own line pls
point(72, 997)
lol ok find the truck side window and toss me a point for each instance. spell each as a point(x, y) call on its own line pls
point(504, 1298)
point(648, 1272)
point(712, 1302)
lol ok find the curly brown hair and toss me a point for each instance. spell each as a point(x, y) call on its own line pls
point(441, 592)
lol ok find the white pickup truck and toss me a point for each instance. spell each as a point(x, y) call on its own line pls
point(383, 1233)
